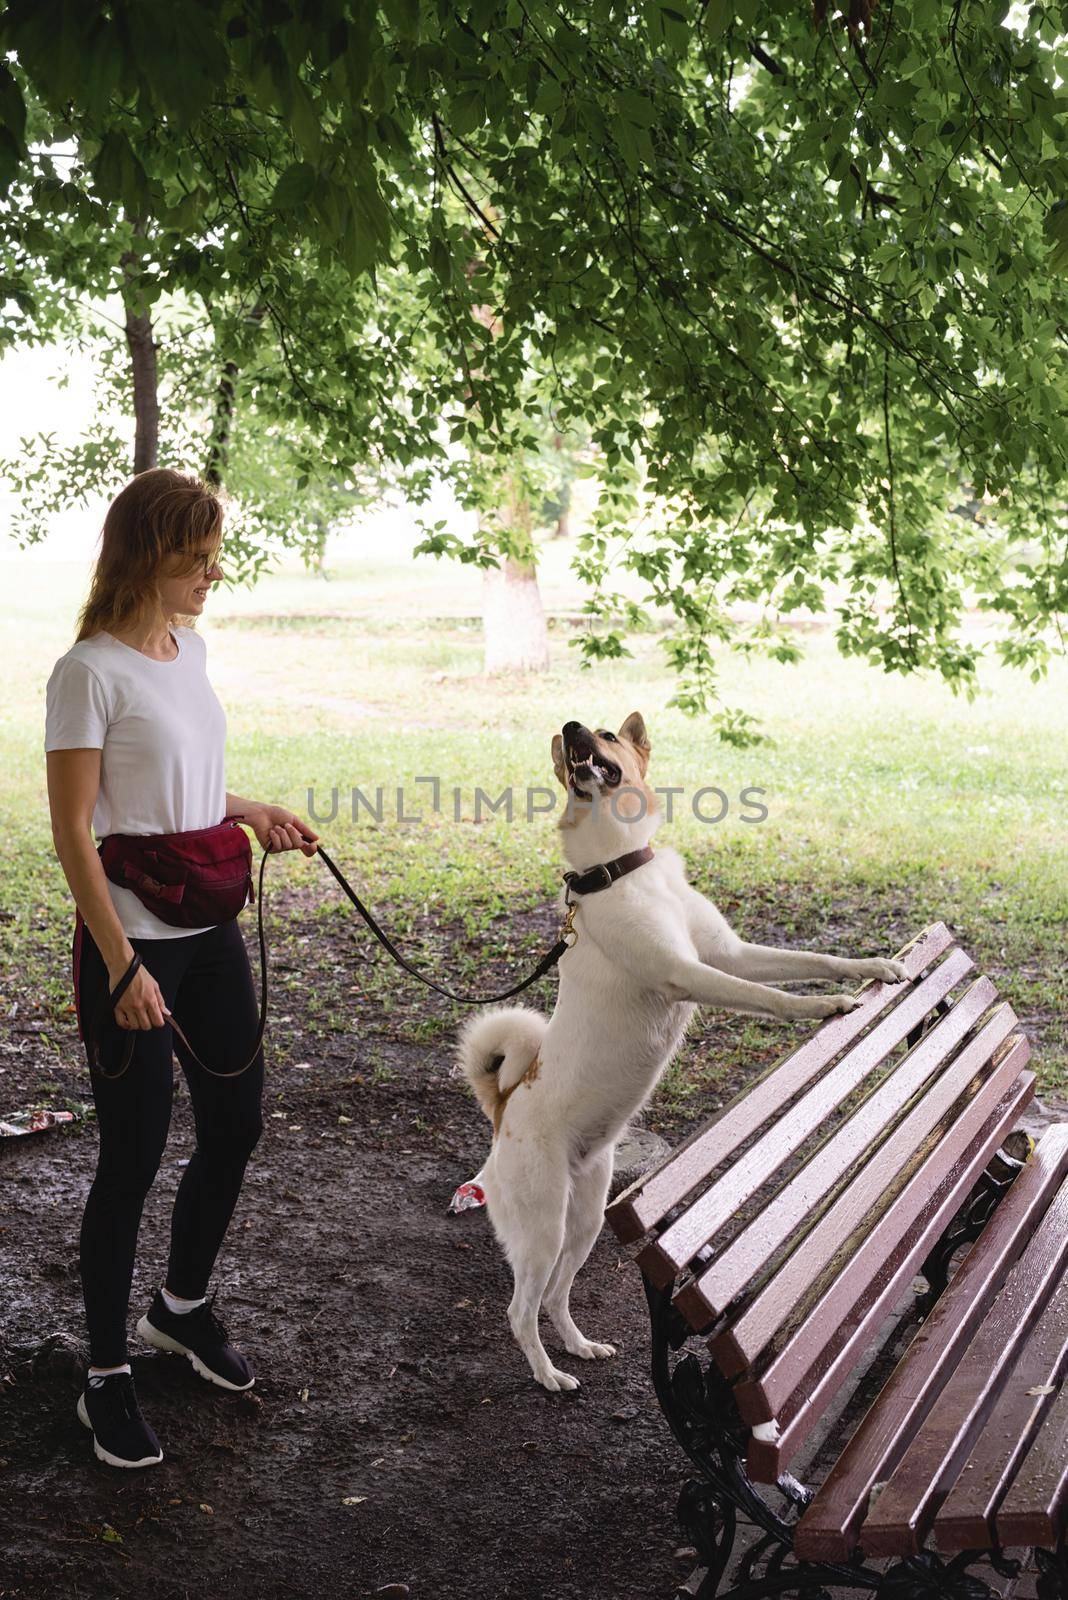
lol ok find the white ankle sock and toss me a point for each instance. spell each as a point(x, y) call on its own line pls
point(109, 1372)
point(175, 1303)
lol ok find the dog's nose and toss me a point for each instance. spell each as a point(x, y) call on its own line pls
point(572, 727)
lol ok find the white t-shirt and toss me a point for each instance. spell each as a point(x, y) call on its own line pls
point(161, 733)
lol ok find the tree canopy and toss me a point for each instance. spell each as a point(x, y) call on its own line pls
point(801, 276)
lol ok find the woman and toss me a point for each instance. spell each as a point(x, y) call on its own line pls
point(135, 742)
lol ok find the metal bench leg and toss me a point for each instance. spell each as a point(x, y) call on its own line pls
point(1052, 1574)
point(968, 1224)
point(699, 1406)
point(697, 1402)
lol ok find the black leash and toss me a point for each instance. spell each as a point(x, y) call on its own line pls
point(547, 961)
point(113, 997)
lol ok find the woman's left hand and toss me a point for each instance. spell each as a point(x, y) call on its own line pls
point(279, 829)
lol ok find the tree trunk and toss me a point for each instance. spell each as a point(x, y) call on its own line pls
point(515, 637)
point(224, 413)
point(142, 348)
point(514, 634)
point(220, 436)
point(513, 619)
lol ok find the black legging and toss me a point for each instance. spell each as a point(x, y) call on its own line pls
point(206, 983)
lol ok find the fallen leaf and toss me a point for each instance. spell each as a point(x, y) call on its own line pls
point(354, 1500)
point(297, 1127)
point(1043, 1388)
point(109, 1535)
point(344, 1121)
point(207, 1510)
point(304, 1394)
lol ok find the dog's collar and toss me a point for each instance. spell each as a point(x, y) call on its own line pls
point(605, 873)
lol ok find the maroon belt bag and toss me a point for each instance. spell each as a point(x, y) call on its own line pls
point(188, 880)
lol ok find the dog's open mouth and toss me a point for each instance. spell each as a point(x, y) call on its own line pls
point(587, 767)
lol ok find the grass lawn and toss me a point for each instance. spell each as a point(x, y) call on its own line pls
point(890, 802)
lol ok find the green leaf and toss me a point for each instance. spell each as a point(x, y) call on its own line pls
point(118, 174)
point(623, 134)
point(12, 105)
point(404, 15)
point(440, 258)
point(637, 108)
point(467, 111)
point(304, 120)
point(11, 157)
point(294, 187)
point(1056, 231)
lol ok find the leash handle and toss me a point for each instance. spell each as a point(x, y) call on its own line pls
point(125, 981)
point(176, 1027)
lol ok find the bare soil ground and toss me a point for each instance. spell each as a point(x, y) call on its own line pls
point(394, 1442)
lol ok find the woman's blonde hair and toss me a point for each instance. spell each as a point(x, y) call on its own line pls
point(160, 513)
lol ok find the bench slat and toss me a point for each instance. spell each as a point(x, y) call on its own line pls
point(1036, 1507)
point(828, 1529)
point(652, 1196)
point(901, 1516)
point(874, 1211)
point(967, 1519)
point(667, 1255)
point(766, 1459)
point(711, 1293)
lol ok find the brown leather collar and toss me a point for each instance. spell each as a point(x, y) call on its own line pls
point(605, 873)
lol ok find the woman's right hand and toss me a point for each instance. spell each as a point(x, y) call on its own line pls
point(143, 1005)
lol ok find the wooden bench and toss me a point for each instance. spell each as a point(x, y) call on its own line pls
point(811, 1236)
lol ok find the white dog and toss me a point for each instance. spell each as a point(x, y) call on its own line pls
point(560, 1091)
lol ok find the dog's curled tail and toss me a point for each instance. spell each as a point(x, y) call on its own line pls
point(496, 1048)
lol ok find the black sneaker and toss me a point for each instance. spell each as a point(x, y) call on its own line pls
point(200, 1336)
point(121, 1436)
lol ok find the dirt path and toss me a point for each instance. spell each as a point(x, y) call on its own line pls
point(386, 1377)
point(394, 1437)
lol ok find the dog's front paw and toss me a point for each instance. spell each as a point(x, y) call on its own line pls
point(882, 970)
point(833, 1005)
point(821, 1006)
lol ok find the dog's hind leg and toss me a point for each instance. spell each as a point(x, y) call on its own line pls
point(528, 1211)
point(585, 1216)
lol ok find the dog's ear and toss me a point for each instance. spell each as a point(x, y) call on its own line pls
point(634, 730)
point(559, 765)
